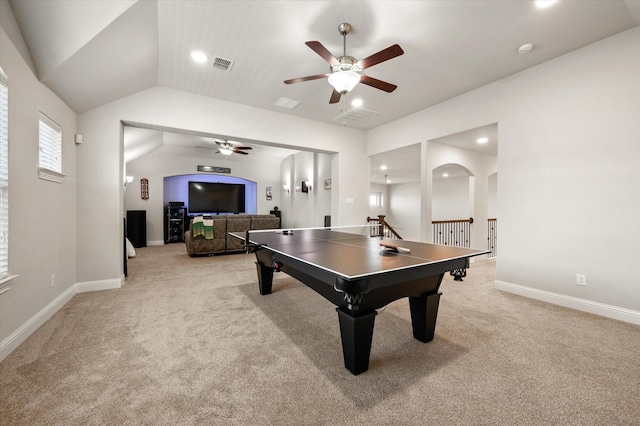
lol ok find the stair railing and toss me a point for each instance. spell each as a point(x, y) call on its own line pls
point(381, 228)
point(454, 233)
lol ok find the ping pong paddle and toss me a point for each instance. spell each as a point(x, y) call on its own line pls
point(390, 248)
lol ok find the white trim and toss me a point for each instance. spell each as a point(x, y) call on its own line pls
point(7, 279)
point(23, 332)
point(16, 338)
point(155, 243)
point(99, 285)
point(50, 175)
point(609, 311)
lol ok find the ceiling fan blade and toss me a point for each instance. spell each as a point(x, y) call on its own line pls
point(242, 147)
point(301, 79)
point(240, 152)
point(335, 97)
point(378, 84)
point(383, 55)
point(317, 47)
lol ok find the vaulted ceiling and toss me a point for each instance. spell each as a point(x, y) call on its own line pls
point(94, 52)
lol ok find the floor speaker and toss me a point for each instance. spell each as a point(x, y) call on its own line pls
point(176, 232)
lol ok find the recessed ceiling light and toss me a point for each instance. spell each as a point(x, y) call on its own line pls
point(542, 4)
point(445, 175)
point(525, 48)
point(383, 167)
point(482, 140)
point(388, 180)
point(199, 57)
point(356, 102)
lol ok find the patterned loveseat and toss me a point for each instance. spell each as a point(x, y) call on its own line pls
point(221, 242)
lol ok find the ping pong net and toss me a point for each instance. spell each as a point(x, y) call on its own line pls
point(254, 239)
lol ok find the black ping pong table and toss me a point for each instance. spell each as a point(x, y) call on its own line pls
point(358, 275)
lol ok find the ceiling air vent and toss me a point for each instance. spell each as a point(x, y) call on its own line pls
point(222, 64)
point(287, 103)
point(355, 115)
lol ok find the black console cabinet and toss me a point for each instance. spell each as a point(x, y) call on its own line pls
point(137, 227)
point(174, 218)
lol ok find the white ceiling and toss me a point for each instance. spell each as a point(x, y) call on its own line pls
point(94, 52)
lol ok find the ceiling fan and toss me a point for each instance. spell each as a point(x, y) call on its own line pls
point(227, 148)
point(345, 70)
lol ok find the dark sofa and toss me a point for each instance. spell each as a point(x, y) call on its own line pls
point(222, 242)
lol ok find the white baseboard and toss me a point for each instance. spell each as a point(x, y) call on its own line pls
point(155, 243)
point(609, 311)
point(99, 285)
point(16, 338)
point(23, 332)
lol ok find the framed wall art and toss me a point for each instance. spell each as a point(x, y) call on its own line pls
point(144, 188)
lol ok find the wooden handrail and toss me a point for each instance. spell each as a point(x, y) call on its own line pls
point(384, 226)
point(470, 220)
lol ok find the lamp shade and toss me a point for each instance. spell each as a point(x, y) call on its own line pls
point(344, 81)
point(225, 151)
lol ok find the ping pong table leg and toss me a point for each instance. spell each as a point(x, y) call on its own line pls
point(265, 278)
point(424, 310)
point(356, 334)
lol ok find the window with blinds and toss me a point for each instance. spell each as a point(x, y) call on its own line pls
point(4, 175)
point(50, 145)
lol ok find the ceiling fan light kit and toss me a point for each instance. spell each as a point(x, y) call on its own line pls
point(344, 81)
point(345, 70)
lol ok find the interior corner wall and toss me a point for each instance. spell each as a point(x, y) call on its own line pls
point(383, 210)
point(404, 210)
point(286, 194)
point(568, 171)
point(322, 187)
point(492, 201)
point(100, 189)
point(42, 214)
point(306, 209)
point(303, 203)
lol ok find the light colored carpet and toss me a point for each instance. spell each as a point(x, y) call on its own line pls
point(191, 341)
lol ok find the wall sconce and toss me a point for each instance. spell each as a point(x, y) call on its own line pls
point(286, 188)
point(306, 186)
point(128, 180)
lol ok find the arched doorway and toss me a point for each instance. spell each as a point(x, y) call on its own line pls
point(452, 205)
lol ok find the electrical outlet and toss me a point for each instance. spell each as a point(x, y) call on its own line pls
point(53, 280)
point(581, 279)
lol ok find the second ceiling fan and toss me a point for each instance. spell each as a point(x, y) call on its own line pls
point(345, 70)
point(227, 148)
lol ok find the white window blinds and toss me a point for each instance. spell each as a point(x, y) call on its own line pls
point(50, 144)
point(4, 175)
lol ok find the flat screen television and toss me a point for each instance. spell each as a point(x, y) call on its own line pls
point(210, 197)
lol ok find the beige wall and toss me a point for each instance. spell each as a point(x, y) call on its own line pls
point(42, 214)
point(569, 149)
